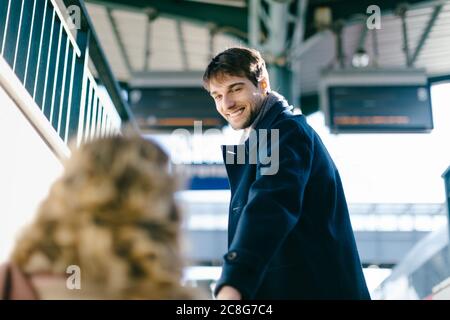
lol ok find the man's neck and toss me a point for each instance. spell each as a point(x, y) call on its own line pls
point(261, 113)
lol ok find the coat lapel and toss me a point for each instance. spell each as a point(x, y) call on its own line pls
point(236, 157)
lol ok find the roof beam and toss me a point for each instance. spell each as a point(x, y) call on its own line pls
point(119, 41)
point(151, 16)
point(342, 10)
point(182, 43)
point(401, 12)
point(433, 18)
point(226, 17)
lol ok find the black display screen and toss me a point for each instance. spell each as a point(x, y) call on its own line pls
point(380, 109)
point(174, 107)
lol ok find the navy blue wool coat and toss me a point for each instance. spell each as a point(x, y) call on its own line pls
point(289, 233)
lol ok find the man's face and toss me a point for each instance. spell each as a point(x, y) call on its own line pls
point(237, 99)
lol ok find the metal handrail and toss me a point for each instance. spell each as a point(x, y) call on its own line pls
point(25, 102)
point(51, 62)
point(102, 66)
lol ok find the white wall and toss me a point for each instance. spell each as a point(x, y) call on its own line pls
point(27, 169)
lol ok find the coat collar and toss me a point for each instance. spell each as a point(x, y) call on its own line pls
point(272, 114)
point(265, 123)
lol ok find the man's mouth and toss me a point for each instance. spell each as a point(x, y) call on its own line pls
point(236, 113)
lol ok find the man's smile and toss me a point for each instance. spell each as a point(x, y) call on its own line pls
point(236, 113)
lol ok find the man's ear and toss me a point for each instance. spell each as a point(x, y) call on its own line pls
point(264, 86)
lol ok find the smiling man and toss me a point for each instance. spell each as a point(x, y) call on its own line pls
point(289, 231)
point(237, 99)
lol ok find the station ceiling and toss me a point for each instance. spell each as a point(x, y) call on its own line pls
point(156, 43)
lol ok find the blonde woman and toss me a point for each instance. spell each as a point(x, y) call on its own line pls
point(111, 222)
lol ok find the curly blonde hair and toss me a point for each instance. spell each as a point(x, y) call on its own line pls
point(112, 213)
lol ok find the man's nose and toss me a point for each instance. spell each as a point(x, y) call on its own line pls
point(228, 102)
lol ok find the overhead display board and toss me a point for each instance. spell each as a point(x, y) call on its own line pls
point(170, 108)
point(377, 100)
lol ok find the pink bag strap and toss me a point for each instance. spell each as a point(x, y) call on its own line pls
point(14, 284)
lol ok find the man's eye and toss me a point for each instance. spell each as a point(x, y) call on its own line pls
point(236, 89)
point(217, 98)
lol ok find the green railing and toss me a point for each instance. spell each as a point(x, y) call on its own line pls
point(43, 49)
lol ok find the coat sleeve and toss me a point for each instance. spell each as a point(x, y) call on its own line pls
point(272, 210)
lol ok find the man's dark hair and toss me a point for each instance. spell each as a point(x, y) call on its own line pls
point(237, 61)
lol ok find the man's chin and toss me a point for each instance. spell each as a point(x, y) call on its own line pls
point(235, 127)
point(238, 126)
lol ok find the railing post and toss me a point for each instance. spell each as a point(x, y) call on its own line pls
point(24, 36)
point(4, 9)
point(77, 104)
point(34, 41)
point(11, 31)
